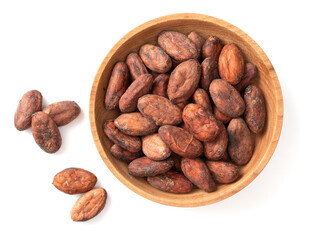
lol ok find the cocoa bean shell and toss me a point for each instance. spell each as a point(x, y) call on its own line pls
point(130, 143)
point(155, 58)
point(118, 84)
point(74, 180)
point(62, 112)
point(45, 132)
point(89, 205)
point(177, 45)
point(197, 172)
point(30, 103)
point(159, 110)
point(181, 141)
point(172, 182)
point(145, 167)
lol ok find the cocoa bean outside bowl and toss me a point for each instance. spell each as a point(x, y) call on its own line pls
point(265, 142)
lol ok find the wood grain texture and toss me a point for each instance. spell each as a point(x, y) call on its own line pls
point(265, 142)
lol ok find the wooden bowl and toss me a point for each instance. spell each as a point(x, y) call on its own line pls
point(265, 142)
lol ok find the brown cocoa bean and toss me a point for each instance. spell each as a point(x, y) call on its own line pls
point(123, 155)
point(200, 97)
point(200, 122)
point(226, 98)
point(212, 48)
point(45, 132)
point(154, 148)
point(172, 182)
point(198, 40)
point(145, 167)
point(74, 180)
point(89, 205)
point(220, 116)
point(209, 72)
point(62, 112)
point(135, 124)
point(130, 143)
point(198, 173)
point(240, 144)
point(250, 73)
point(141, 86)
point(135, 65)
point(183, 81)
point(223, 172)
point(181, 141)
point(159, 110)
point(215, 150)
point(118, 84)
point(231, 64)
point(160, 85)
point(155, 58)
point(181, 105)
point(30, 103)
point(177, 45)
point(255, 113)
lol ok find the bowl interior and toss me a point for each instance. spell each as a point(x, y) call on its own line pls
point(265, 142)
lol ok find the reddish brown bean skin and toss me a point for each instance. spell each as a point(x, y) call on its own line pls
point(45, 132)
point(223, 172)
point(212, 48)
point(74, 180)
point(226, 98)
point(123, 155)
point(118, 84)
point(135, 124)
point(255, 113)
point(183, 81)
point(209, 72)
point(177, 45)
point(141, 86)
point(250, 73)
point(145, 167)
point(182, 105)
point(220, 116)
point(177, 162)
point(130, 143)
point(63, 112)
point(215, 150)
point(198, 40)
point(181, 141)
point(200, 97)
point(200, 122)
point(172, 182)
point(135, 65)
point(154, 148)
point(231, 64)
point(160, 85)
point(159, 110)
point(240, 144)
point(155, 58)
point(197, 172)
point(30, 103)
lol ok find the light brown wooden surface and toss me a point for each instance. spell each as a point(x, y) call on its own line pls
point(265, 142)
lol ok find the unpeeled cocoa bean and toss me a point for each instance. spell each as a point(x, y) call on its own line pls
point(130, 143)
point(45, 132)
point(172, 182)
point(198, 173)
point(118, 84)
point(30, 103)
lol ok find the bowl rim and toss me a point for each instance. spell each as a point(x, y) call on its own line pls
point(242, 183)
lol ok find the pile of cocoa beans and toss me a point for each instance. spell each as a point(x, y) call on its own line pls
point(44, 122)
point(76, 181)
point(188, 108)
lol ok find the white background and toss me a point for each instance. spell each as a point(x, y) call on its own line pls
point(57, 47)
